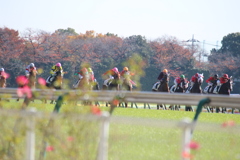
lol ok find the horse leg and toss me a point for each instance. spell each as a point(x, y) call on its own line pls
point(51, 101)
point(187, 108)
point(224, 109)
point(163, 106)
point(126, 105)
point(170, 107)
point(177, 107)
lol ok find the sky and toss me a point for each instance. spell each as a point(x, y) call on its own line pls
point(208, 21)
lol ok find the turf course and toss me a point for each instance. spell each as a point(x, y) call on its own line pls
point(144, 133)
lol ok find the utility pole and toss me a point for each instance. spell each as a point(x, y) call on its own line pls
point(193, 41)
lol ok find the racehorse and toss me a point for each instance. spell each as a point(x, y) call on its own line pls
point(181, 88)
point(112, 83)
point(32, 79)
point(225, 89)
point(196, 88)
point(94, 85)
point(55, 82)
point(115, 83)
point(127, 85)
point(161, 87)
point(210, 89)
point(2, 82)
point(82, 84)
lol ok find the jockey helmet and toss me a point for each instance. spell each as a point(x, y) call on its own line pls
point(125, 68)
point(32, 65)
point(115, 69)
point(225, 76)
point(84, 70)
point(182, 76)
point(1, 69)
point(165, 70)
point(89, 69)
point(58, 65)
point(216, 75)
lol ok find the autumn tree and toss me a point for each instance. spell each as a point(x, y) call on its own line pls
point(169, 53)
point(11, 47)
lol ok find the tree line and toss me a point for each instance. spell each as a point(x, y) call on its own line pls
point(146, 58)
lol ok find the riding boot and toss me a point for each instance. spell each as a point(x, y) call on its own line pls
point(209, 89)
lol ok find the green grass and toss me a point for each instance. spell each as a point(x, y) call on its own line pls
point(145, 134)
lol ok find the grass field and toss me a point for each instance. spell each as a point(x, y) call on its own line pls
point(141, 134)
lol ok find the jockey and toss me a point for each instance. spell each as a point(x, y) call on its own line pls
point(2, 73)
point(112, 73)
point(55, 68)
point(194, 79)
point(83, 73)
point(125, 73)
point(180, 79)
point(29, 69)
point(224, 79)
point(161, 75)
point(212, 82)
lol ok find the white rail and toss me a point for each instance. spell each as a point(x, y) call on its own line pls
point(232, 101)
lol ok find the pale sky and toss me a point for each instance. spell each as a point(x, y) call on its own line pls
point(207, 20)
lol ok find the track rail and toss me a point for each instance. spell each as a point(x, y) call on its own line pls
point(232, 101)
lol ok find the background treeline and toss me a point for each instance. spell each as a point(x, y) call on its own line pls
point(104, 51)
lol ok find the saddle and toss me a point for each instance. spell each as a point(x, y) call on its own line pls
point(49, 79)
point(156, 86)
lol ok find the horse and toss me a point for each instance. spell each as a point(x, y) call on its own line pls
point(32, 79)
point(3, 82)
point(161, 87)
point(55, 82)
point(82, 84)
point(112, 83)
point(127, 85)
point(225, 89)
point(181, 88)
point(196, 88)
point(95, 85)
point(212, 89)
point(85, 84)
